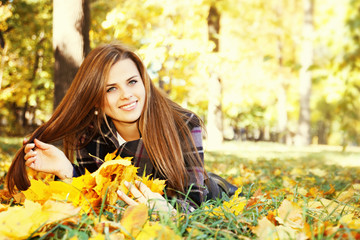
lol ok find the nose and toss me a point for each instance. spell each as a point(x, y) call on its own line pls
point(125, 93)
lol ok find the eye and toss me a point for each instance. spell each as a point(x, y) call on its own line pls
point(110, 89)
point(132, 82)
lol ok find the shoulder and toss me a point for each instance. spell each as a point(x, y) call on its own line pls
point(186, 117)
point(192, 120)
point(103, 135)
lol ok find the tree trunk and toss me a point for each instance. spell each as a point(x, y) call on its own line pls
point(304, 134)
point(214, 118)
point(2, 63)
point(71, 23)
point(281, 95)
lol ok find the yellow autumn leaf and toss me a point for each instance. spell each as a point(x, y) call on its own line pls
point(98, 237)
point(38, 191)
point(346, 195)
point(152, 231)
point(134, 219)
point(297, 172)
point(290, 214)
point(349, 221)
point(64, 191)
point(85, 181)
point(155, 185)
point(356, 187)
point(19, 222)
point(235, 205)
point(59, 210)
point(318, 172)
point(277, 172)
point(326, 206)
point(266, 230)
point(110, 156)
point(3, 207)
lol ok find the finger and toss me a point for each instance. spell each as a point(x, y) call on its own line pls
point(30, 154)
point(30, 162)
point(25, 141)
point(135, 192)
point(41, 144)
point(126, 199)
point(143, 188)
point(29, 147)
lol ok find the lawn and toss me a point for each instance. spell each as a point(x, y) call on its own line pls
point(288, 192)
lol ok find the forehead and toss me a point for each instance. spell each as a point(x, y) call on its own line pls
point(122, 70)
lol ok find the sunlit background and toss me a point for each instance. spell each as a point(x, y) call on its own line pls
point(245, 76)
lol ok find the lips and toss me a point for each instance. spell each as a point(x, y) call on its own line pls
point(129, 106)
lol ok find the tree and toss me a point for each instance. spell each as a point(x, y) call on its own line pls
point(71, 24)
point(26, 73)
point(306, 59)
point(214, 116)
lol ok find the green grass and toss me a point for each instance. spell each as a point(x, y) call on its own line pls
point(302, 175)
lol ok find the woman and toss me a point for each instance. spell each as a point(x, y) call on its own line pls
point(113, 104)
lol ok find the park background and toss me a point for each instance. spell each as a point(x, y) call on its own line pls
point(275, 81)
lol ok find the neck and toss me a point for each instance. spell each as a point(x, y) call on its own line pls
point(128, 131)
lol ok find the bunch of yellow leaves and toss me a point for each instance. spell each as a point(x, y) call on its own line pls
point(89, 189)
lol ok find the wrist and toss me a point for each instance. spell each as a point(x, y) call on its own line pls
point(66, 172)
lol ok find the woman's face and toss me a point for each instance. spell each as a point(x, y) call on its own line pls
point(125, 93)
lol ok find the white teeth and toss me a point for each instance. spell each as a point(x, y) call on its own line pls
point(128, 106)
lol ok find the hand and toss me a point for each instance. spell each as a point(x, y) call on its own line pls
point(47, 158)
point(143, 194)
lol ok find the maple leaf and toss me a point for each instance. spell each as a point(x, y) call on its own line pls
point(235, 205)
point(110, 156)
point(314, 192)
point(38, 191)
point(155, 185)
point(266, 230)
point(346, 195)
point(59, 210)
point(19, 222)
point(290, 214)
point(152, 231)
point(134, 219)
point(349, 221)
point(326, 206)
point(330, 191)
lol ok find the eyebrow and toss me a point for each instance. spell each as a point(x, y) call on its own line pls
point(112, 84)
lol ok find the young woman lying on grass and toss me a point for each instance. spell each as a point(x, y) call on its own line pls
point(113, 104)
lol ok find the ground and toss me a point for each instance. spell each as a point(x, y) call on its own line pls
point(288, 192)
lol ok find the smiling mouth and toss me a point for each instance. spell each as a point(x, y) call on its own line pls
point(129, 106)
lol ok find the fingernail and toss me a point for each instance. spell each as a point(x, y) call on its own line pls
point(126, 183)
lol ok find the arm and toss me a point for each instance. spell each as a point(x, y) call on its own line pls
point(47, 158)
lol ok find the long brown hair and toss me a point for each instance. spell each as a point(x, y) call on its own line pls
point(75, 113)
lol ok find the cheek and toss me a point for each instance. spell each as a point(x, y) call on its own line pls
point(109, 103)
